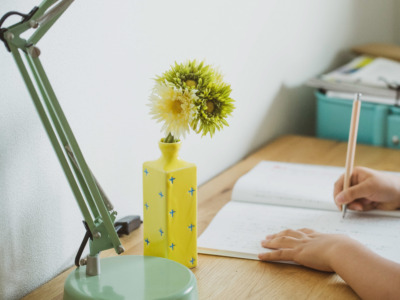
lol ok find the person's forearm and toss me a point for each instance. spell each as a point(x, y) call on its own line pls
point(370, 275)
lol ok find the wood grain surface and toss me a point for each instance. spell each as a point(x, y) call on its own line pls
point(233, 278)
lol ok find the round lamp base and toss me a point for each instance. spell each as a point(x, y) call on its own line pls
point(133, 277)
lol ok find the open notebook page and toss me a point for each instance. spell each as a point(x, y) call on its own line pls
point(290, 184)
point(291, 190)
point(239, 227)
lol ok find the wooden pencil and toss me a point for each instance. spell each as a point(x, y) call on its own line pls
point(351, 145)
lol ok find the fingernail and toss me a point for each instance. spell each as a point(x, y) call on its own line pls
point(340, 198)
point(268, 237)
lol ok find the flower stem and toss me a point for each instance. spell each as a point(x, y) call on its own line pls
point(169, 139)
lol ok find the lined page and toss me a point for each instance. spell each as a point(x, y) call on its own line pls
point(288, 184)
point(239, 227)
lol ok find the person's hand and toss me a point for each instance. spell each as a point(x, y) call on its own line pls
point(369, 189)
point(370, 275)
point(306, 247)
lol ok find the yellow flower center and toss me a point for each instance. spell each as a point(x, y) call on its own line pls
point(190, 83)
point(210, 107)
point(177, 106)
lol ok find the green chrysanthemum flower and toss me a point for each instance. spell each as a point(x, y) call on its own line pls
point(211, 96)
point(214, 106)
point(191, 75)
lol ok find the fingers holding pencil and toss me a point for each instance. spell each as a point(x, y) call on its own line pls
point(355, 197)
point(369, 189)
point(351, 145)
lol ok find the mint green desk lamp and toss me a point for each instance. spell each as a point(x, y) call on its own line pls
point(119, 277)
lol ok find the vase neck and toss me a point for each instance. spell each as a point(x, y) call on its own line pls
point(170, 151)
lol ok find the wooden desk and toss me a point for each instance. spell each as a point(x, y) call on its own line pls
point(232, 278)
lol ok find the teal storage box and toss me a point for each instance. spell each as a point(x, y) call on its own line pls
point(379, 124)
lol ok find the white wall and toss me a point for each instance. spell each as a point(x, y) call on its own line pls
point(101, 58)
point(397, 21)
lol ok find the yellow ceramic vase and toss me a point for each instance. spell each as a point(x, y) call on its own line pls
point(170, 207)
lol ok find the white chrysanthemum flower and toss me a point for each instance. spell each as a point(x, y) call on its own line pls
point(175, 107)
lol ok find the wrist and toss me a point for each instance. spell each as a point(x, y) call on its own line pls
point(341, 250)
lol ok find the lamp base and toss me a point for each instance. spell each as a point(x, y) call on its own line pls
point(133, 277)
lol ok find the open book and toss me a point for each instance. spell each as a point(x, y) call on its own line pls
point(275, 196)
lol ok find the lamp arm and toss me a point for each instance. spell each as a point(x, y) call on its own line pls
point(47, 20)
point(97, 211)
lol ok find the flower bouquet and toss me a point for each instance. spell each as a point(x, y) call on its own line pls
point(190, 96)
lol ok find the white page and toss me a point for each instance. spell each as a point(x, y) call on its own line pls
point(238, 228)
point(288, 184)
